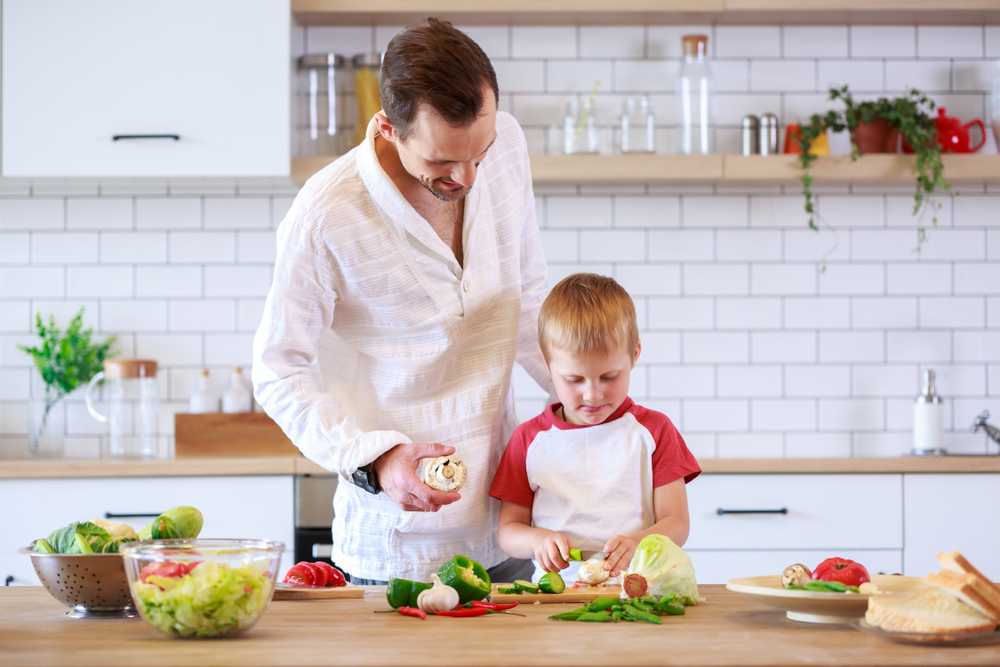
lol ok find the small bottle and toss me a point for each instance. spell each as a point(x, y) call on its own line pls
point(569, 128)
point(236, 398)
point(203, 400)
point(928, 419)
point(638, 127)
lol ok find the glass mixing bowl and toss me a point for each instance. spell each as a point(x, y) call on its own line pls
point(202, 588)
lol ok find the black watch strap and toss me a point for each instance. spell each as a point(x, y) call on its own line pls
point(366, 478)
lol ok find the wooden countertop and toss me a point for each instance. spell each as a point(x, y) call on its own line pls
point(297, 465)
point(726, 629)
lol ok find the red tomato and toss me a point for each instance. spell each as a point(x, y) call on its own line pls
point(334, 577)
point(319, 575)
point(843, 570)
point(300, 575)
point(166, 569)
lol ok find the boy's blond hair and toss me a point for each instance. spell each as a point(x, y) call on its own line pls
point(587, 313)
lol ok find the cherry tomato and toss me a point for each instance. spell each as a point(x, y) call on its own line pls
point(843, 570)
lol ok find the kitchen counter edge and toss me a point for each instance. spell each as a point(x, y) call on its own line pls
point(297, 465)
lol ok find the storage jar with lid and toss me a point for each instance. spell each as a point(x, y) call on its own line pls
point(132, 408)
point(695, 98)
point(367, 68)
point(319, 87)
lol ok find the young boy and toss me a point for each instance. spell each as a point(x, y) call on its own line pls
point(594, 472)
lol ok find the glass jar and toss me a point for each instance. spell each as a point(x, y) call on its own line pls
point(580, 133)
point(695, 94)
point(319, 83)
point(638, 126)
point(367, 68)
point(132, 403)
point(47, 423)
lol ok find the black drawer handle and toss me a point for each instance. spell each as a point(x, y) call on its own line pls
point(118, 137)
point(109, 515)
point(720, 511)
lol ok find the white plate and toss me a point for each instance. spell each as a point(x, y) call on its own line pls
point(815, 607)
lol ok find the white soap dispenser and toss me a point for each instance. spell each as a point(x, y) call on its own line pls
point(236, 398)
point(928, 420)
point(203, 400)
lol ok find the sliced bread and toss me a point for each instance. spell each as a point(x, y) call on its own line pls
point(970, 589)
point(929, 610)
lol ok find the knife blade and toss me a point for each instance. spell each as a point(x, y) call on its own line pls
point(593, 555)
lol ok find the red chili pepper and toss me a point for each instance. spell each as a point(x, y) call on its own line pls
point(412, 611)
point(462, 613)
point(493, 606)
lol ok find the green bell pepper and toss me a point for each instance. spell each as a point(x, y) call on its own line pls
point(467, 577)
point(403, 592)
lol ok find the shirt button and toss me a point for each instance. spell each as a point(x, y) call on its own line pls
point(465, 285)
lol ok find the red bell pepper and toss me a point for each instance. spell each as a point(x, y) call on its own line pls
point(843, 570)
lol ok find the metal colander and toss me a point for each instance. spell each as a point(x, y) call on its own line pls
point(91, 585)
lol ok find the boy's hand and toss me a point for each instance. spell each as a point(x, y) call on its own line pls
point(551, 551)
point(620, 550)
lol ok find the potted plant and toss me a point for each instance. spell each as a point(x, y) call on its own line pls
point(65, 360)
point(874, 127)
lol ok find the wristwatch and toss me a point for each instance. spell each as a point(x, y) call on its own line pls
point(366, 478)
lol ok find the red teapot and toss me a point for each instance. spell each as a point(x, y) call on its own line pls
point(953, 136)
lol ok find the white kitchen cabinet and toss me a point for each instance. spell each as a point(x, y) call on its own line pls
point(233, 507)
point(945, 512)
point(78, 73)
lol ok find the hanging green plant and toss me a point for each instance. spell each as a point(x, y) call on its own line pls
point(908, 115)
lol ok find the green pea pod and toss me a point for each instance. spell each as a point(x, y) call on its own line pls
point(600, 604)
point(641, 606)
point(567, 616)
point(595, 617)
point(644, 616)
point(668, 598)
point(617, 616)
point(672, 609)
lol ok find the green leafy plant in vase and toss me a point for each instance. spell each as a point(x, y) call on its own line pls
point(874, 127)
point(65, 360)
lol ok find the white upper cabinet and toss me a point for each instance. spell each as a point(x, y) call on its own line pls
point(131, 88)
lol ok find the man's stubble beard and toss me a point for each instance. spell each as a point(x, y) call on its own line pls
point(462, 192)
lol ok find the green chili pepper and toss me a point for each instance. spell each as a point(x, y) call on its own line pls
point(595, 617)
point(644, 616)
point(600, 604)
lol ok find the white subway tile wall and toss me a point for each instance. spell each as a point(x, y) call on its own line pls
point(761, 338)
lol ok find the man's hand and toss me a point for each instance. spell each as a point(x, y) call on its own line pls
point(397, 477)
point(620, 550)
point(551, 551)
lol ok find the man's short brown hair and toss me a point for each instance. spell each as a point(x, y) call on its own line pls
point(586, 314)
point(439, 65)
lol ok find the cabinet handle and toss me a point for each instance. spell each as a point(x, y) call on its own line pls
point(118, 137)
point(720, 511)
point(110, 515)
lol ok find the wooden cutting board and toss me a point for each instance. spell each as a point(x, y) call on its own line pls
point(570, 595)
point(348, 592)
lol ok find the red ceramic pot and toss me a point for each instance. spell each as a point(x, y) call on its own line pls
point(953, 136)
point(875, 137)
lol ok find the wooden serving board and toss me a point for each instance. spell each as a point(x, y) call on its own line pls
point(348, 592)
point(570, 595)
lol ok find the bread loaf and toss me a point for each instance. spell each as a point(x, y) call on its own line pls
point(970, 589)
point(930, 610)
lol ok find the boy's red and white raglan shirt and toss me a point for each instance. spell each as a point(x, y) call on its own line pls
point(592, 482)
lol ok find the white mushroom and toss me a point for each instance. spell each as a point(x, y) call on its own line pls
point(592, 572)
point(445, 473)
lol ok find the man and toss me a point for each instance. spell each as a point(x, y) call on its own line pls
point(410, 272)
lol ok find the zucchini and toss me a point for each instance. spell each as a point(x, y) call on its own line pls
point(508, 590)
point(526, 586)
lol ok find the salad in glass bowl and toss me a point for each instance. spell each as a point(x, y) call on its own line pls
point(202, 588)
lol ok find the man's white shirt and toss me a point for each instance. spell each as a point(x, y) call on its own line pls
point(373, 335)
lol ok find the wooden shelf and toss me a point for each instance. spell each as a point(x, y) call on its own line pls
point(555, 170)
point(623, 12)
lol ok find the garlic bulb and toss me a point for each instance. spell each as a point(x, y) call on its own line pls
point(438, 597)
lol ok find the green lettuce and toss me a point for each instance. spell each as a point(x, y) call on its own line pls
point(666, 568)
point(79, 537)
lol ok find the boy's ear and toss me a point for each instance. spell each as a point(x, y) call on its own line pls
point(638, 349)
